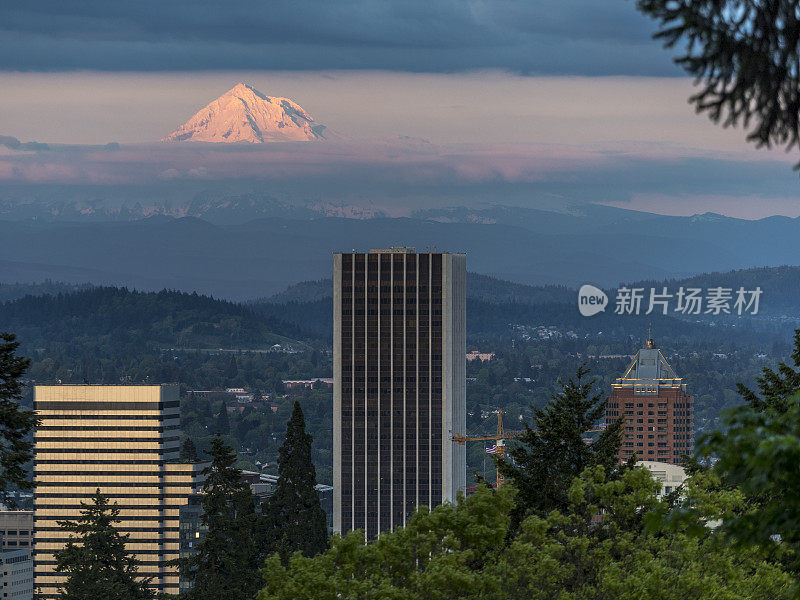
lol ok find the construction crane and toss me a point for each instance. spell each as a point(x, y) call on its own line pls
point(500, 438)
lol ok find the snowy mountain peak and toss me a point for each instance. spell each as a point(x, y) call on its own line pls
point(243, 114)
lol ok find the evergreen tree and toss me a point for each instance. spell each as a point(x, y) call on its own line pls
point(226, 563)
point(223, 421)
point(756, 453)
point(778, 388)
point(189, 451)
point(744, 56)
point(294, 519)
point(15, 424)
point(94, 559)
point(233, 369)
point(553, 452)
point(755, 456)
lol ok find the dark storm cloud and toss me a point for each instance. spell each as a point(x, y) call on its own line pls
point(545, 36)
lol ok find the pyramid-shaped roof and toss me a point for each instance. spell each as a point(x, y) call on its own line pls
point(649, 368)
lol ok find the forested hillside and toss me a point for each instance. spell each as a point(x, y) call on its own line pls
point(119, 316)
point(115, 335)
point(14, 291)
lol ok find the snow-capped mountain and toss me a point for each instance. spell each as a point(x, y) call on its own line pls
point(243, 114)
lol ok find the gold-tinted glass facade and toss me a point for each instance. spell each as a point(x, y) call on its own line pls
point(123, 440)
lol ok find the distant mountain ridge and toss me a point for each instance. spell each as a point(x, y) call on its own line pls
point(243, 114)
point(778, 284)
point(259, 257)
point(218, 208)
point(480, 287)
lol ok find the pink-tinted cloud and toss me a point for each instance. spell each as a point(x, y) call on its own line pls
point(395, 161)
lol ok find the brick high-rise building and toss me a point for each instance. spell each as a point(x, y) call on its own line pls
point(399, 385)
point(658, 413)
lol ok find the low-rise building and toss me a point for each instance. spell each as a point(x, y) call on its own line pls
point(671, 476)
point(313, 384)
point(16, 529)
point(16, 574)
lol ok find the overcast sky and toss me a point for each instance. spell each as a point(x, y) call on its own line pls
point(542, 87)
point(583, 37)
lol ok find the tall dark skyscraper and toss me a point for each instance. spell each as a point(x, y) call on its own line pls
point(399, 385)
point(658, 413)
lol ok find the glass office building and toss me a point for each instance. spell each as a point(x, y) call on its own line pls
point(399, 385)
point(124, 441)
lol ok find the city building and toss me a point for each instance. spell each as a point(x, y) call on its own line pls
point(320, 382)
point(123, 440)
point(16, 529)
point(481, 356)
point(399, 385)
point(192, 531)
point(16, 574)
point(671, 476)
point(659, 424)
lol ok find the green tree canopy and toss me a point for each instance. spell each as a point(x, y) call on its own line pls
point(464, 552)
point(294, 519)
point(759, 453)
point(225, 564)
point(189, 451)
point(552, 451)
point(777, 388)
point(223, 421)
point(16, 449)
point(95, 561)
point(440, 554)
point(233, 369)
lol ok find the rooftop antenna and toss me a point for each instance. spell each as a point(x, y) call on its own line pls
point(650, 342)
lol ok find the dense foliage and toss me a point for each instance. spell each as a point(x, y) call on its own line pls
point(553, 451)
point(225, 562)
point(14, 291)
point(777, 387)
point(189, 451)
point(759, 455)
point(16, 424)
point(463, 552)
point(141, 320)
point(293, 517)
point(95, 561)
